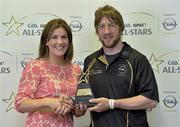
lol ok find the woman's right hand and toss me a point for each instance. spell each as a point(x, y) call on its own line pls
point(50, 104)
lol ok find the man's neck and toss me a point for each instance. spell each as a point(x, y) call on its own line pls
point(116, 49)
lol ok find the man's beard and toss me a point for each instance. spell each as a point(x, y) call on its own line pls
point(113, 44)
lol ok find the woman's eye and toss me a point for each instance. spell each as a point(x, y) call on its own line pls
point(64, 37)
point(53, 37)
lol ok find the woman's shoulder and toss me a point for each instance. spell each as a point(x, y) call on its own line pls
point(76, 67)
point(36, 63)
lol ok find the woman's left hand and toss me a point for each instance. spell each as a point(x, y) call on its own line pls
point(65, 105)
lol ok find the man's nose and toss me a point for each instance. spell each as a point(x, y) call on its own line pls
point(107, 29)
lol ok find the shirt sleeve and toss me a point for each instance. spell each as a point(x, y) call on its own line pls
point(27, 84)
point(145, 81)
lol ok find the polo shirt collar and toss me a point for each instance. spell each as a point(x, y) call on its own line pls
point(124, 54)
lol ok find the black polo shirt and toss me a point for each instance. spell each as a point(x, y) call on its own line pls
point(128, 74)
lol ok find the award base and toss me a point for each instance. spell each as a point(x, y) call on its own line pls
point(84, 94)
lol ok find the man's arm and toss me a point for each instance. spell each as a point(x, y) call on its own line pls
point(132, 103)
point(135, 103)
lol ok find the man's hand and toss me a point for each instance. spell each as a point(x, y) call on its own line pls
point(102, 104)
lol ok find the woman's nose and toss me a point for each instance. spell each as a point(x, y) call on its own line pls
point(59, 40)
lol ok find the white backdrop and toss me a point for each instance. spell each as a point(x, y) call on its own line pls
point(152, 27)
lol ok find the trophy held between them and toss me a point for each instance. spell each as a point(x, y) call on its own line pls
point(84, 92)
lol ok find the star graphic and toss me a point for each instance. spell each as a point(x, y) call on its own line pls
point(10, 102)
point(84, 78)
point(13, 26)
point(155, 62)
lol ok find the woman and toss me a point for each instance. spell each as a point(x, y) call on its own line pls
point(48, 82)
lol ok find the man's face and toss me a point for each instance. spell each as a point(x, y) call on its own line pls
point(108, 32)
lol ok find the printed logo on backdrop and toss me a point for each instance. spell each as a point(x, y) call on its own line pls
point(170, 101)
point(79, 62)
point(80, 56)
point(75, 24)
point(167, 63)
point(29, 25)
point(7, 63)
point(23, 59)
point(138, 23)
point(168, 24)
point(9, 102)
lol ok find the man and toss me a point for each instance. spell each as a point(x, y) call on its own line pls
point(121, 78)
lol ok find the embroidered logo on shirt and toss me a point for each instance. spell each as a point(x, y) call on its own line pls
point(95, 72)
point(122, 69)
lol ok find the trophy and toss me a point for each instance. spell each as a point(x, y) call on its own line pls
point(84, 92)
